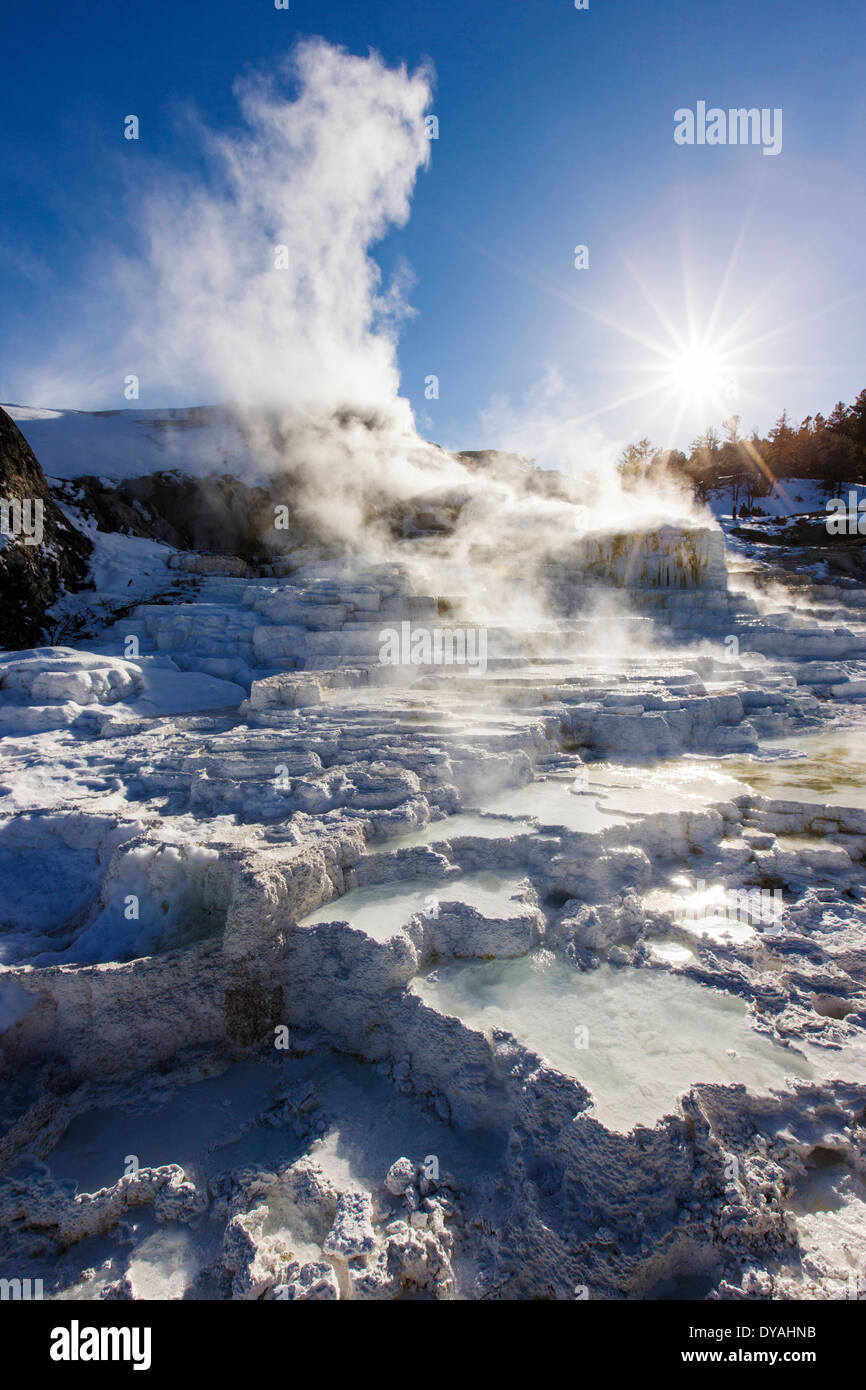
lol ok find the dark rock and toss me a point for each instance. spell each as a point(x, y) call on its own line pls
point(32, 576)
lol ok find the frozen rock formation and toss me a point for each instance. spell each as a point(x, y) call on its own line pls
point(41, 552)
point(358, 980)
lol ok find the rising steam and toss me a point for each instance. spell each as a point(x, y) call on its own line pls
point(254, 285)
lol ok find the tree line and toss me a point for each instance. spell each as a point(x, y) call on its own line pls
point(830, 450)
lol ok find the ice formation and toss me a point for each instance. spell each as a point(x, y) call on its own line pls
point(331, 979)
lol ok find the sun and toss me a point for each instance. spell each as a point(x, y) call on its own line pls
point(697, 373)
point(699, 359)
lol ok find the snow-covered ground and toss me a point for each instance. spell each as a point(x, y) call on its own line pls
point(130, 443)
point(793, 497)
point(335, 979)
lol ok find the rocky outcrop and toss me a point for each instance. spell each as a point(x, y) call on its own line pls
point(41, 553)
point(217, 515)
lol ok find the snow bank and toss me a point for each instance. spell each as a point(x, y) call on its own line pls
point(54, 687)
point(129, 443)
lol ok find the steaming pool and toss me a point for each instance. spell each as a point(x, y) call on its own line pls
point(614, 794)
point(383, 909)
point(828, 768)
point(709, 912)
point(464, 825)
point(651, 1035)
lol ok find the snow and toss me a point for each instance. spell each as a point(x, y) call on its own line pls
point(130, 443)
point(154, 899)
point(792, 497)
point(57, 687)
point(125, 567)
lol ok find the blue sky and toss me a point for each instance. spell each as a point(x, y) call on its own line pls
point(556, 129)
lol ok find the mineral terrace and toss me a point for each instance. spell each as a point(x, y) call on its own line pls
point(328, 978)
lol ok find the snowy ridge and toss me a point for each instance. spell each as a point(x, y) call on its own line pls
point(129, 443)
